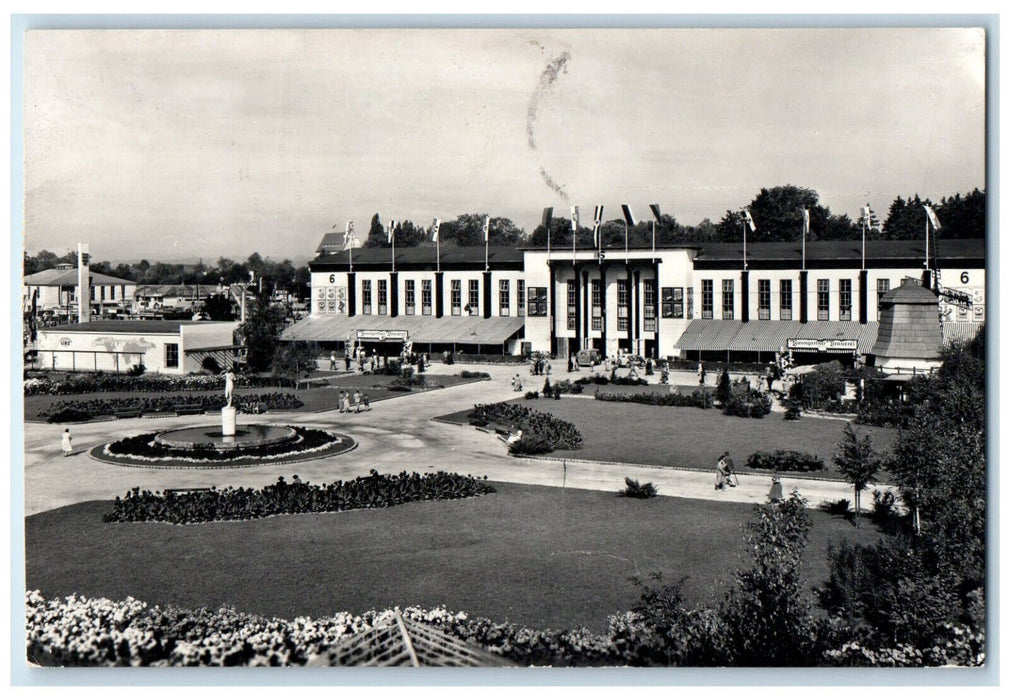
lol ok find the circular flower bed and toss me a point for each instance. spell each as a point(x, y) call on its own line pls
point(143, 451)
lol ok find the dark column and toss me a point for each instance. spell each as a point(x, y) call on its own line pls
point(603, 307)
point(439, 294)
point(394, 296)
point(927, 279)
point(636, 299)
point(551, 313)
point(631, 306)
point(863, 295)
point(487, 295)
point(586, 311)
point(744, 296)
point(803, 296)
point(658, 299)
point(579, 311)
point(352, 294)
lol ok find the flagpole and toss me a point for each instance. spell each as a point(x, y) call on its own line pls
point(803, 244)
point(745, 243)
point(625, 240)
point(392, 238)
point(927, 241)
point(864, 239)
point(654, 238)
point(438, 256)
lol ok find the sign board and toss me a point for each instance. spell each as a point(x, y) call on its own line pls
point(822, 345)
point(65, 342)
point(380, 336)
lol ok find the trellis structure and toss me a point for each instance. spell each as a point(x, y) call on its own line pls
point(403, 642)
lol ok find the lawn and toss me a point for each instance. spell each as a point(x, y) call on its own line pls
point(314, 399)
point(535, 555)
point(690, 437)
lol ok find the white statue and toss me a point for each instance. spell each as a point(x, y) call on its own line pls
point(229, 385)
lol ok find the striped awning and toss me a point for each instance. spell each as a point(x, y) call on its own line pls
point(470, 330)
point(960, 331)
point(769, 336)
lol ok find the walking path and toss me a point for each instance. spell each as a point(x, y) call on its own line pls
point(396, 435)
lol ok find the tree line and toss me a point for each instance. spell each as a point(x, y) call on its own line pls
point(776, 211)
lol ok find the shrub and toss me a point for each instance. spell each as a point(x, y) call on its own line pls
point(246, 403)
point(746, 402)
point(154, 383)
point(568, 387)
point(531, 444)
point(136, 370)
point(632, 489)
point(467, 374)
point(698, 398)
point(372, 491)
point(559, 434)
point(841, 506)
point(785, 461)
point(793, 409)
point(70, 414)
point(211, 365)
point(820, 387)
point(594, 379)
point(724, 389)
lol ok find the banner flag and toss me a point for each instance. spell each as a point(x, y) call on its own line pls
point(866, 213)
point(575, 218)
point(548, 215)
point(389, 231)
point(806, 222)
point(628, 215)
point(932, 217)
point(350, 239)
point(655, 211)
point(434, 229)
point(750, 221)
point(487, 226)
point(597, 220)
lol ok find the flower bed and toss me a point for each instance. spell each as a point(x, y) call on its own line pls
point(70, 411)
point(541, 431)
point(785, 461)
point(697, 398)
point(372, 491)
point(91, 383)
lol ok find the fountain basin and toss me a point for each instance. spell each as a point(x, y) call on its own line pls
point(210, 437)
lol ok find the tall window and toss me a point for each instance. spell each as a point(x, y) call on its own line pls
point(473, 297)
point(667, 302)
point(383, 298)
point(845, 300)
point(764, 300)
point(727, 299)
point(690, 302)
point(537, 301)
point(649, 287)
point(596, 297)
point(707, 299)
point(408, 297)
point(572, 304)
point(171, 354)
point(520, 297)
point(786, 300)
point(823, 300)
point(426, 297)
point(456, 297)
point(622, 305)
point(883, 287)
point(366, 296)
point(503, 297)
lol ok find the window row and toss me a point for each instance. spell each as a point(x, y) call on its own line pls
point(473, 304)
point(764, 294)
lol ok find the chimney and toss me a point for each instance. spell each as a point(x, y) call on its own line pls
point(83, 283)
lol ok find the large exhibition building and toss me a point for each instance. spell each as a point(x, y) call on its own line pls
point(690, 301)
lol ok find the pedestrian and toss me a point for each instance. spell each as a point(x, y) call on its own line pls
point(770, 375)
point(729, 469)
point(548, 369)
point(346, 402)
point(347, 363)
point(364, 401)
point(357, 402)
point(67, 444)
point(701, 373)
point(333, 361)
point(775, 493)
point(340, 401)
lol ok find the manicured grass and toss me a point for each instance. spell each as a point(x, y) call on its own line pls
point(535, 555)
point(315, 399)
point(690, 437)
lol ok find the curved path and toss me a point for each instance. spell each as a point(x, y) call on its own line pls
point(397, 434)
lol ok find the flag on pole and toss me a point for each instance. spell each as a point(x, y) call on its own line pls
point(389, 231)
point(628, 215)
point(487, 226)
point(806, 222)
point(932, 217)
point(597, 220)
point(575, 218)
point(655, 211)
point(350, 238)
point(750, 221)
point(548, 215)
point(434, 229)
point(866, 213)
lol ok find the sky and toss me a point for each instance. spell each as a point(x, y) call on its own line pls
point(184, 144)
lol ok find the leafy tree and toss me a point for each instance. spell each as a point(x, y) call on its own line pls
point(962, 216)
point(906, 219)
point(777, 215)
point(723, 390)
point(294, 360)
point(376, 234)
point(467, 230)
point(218, 307)
point(857, 462)
point(261, 331)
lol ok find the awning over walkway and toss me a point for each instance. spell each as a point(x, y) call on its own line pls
point(470, 330)
point(960, 331)
point(769, 336)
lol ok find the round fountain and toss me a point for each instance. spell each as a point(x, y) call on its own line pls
point(209, 437)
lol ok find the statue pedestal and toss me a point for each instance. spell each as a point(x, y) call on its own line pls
point(228, 420)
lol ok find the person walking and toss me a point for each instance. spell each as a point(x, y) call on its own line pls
point(67, 443)
point(333, 361)
point(701, 373)
point(357, 402)
point(775, 492)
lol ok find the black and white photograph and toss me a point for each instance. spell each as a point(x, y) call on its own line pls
point(586, 347)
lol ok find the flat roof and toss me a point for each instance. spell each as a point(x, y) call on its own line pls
point(129, 326)
point(409, 256)
point(470, 330)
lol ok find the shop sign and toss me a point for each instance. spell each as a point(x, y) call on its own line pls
point(380, 336)
point(822, 345)
point(65, 342)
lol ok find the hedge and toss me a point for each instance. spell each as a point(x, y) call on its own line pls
point(537, 427)
point(785, 461)
point(697, 398)
point(372, 491)
point(91, 383)
point(76, 410)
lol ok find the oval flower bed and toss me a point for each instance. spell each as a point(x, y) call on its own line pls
point(143, 451)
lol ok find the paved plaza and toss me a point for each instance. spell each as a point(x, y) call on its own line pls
point(397, 434)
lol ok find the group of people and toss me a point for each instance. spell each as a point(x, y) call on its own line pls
point(726, 476)
point(359, 402)
point(539, 365)
point(517, 383)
